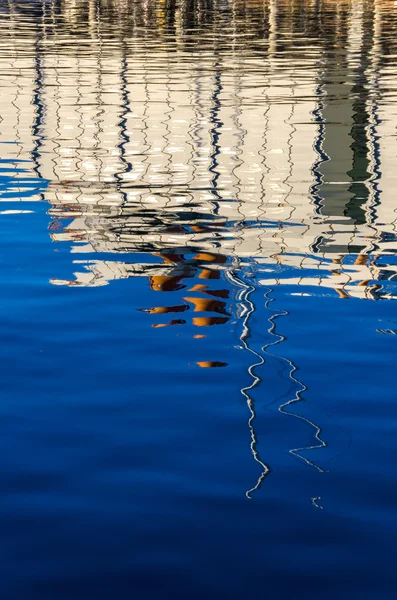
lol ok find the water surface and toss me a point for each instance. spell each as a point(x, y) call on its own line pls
point(198, 272)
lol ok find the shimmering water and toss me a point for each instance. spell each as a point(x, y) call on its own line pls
point(198, 274)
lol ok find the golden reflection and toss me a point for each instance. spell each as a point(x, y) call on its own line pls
point(206, 305)
point(211, 364)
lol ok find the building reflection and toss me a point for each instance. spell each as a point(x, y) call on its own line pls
point(143, 157)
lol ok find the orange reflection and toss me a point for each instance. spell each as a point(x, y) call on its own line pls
point(208, 305)
point(164, 283)
point(210, 257)
point(210, 364)
point(207, 321)
point(181, 267)
point(198, 287)
point(209, 274)
point(173, 322)
point(361, 259)
point(161, 310)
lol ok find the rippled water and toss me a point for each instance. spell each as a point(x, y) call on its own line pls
point(199, 261)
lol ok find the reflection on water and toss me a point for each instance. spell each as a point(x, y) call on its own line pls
point(191, 153)
point(160, 137)
point(220, 150)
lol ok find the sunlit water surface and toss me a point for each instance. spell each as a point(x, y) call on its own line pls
point(198, 283)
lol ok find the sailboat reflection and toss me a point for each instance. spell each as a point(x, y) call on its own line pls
point(164, 153)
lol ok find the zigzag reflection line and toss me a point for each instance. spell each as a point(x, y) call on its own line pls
point(298, 394)
point(248, 306)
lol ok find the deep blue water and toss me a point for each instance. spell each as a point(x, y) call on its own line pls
point(198, 280)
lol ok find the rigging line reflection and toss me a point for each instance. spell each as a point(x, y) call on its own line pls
point(318, 118)
point(301, 388)
point(372, 126)
point(39, 110)
point(215, 132)
point(248, 308)
point(99, 116)
point(125, 166)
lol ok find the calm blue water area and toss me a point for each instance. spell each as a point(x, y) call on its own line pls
point(125, 470)
point(198, 385)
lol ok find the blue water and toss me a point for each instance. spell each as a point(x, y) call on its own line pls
point(198, 283)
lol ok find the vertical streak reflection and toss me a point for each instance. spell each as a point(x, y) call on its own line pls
point(301, 387)
point(248, 309)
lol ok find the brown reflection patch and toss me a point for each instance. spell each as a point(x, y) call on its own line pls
point(199, 337)
point(361, 259)
point(161, 310)
point(208, 305)
point(342, 293)
point(210, 257)
point(210, 364)
point(170, 324)
point(55, 225)
point(199, 287)
point(207, 321)
point(218, 293)
point(209, 274)
point(164, 283)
